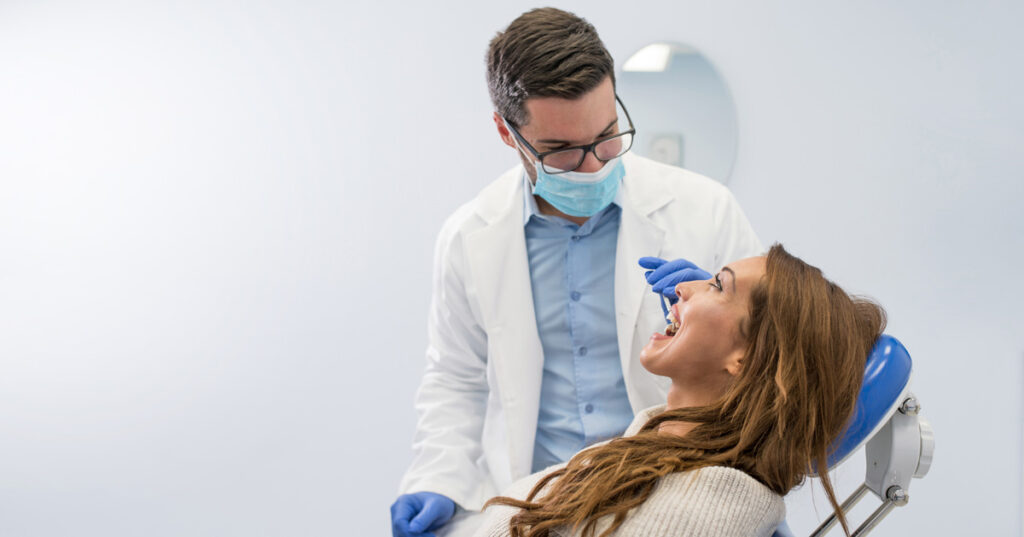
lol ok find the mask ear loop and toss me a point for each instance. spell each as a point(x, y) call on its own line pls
point(523, 152)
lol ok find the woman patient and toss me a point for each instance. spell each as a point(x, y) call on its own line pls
point(766, 361)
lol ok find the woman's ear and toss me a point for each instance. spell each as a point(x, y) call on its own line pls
point(734, 362)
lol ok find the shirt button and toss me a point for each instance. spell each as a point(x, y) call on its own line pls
point(575, 237)
point(583, 351)
point(575, 296)
point(589, 408)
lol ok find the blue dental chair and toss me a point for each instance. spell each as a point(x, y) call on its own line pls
point(899, 442)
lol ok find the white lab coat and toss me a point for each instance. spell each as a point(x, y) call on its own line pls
point(478, 402)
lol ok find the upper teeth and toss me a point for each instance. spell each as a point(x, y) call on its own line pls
point(673, 323)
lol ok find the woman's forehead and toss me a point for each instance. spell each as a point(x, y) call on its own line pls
point(747, 272)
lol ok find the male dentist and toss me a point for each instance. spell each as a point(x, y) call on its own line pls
point(539, 308)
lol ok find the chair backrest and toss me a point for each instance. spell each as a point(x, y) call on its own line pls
point(886, 381)
point(900, 443)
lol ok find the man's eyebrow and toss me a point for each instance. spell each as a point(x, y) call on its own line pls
point(554, 142)
point(733, 277)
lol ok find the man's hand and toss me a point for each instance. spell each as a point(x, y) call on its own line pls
point(664, 276)
point(416, 514)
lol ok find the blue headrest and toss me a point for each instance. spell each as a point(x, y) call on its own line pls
point(886, 375)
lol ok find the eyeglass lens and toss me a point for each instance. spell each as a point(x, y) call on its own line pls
point(570, 159)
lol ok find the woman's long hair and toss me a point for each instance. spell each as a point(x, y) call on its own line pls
point(807, 343)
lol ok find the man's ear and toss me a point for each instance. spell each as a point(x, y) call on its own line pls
point(506, 135)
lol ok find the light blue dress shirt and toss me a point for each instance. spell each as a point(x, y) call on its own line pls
point(572, 271)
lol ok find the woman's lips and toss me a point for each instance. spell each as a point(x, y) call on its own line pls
point(658, 336)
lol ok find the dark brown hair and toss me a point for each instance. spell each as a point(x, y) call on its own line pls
point(545, 52)
point(807, 343)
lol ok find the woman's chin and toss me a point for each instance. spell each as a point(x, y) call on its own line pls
point(653, 347)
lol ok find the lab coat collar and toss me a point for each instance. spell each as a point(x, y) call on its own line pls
point(647, 200)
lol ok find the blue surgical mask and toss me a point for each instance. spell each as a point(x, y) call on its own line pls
point(578, 193)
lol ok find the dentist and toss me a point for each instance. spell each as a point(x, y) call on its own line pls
point(539, 309)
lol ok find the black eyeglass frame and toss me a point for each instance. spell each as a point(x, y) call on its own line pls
point(588, 148)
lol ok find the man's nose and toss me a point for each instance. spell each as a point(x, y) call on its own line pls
point(590, 163)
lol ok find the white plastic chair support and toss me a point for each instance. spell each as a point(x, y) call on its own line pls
point(899, 451)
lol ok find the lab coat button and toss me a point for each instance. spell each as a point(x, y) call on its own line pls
point(589, 408)
point(575, 296)
point(583, 351)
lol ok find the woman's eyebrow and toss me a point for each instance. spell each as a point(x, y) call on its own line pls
point(733, 277)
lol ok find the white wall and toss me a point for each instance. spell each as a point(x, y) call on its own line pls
point(216, 226)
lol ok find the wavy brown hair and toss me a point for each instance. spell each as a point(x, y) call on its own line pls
point(806, 345)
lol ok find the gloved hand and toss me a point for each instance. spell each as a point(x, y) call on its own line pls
point(414, 515)
point(665, 275)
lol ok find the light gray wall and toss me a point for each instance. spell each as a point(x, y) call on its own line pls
point(216, 227)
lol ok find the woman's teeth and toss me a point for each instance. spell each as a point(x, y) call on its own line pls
point(673, 323)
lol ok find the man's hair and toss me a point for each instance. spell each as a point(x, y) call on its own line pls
point(545, 52)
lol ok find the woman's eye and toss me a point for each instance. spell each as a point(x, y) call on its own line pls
point(718, 283)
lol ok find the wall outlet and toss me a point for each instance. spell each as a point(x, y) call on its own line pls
point(667, 148)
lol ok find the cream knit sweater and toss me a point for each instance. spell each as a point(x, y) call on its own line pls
point(710, 502)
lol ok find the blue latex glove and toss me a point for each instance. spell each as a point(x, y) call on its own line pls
point(665, 275)
point(416, 514)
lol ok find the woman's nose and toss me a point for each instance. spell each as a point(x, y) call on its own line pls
point(683, 291)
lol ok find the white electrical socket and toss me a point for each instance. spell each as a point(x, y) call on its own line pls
point(667, 148)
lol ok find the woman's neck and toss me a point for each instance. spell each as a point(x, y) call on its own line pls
point(685, 397)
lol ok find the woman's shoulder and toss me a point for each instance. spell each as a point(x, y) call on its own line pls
point(714, 500)
point(716, 479)
point(642, 417)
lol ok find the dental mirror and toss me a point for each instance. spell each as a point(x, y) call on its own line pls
point(681, 107)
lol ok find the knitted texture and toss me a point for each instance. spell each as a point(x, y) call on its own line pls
point(710, 502)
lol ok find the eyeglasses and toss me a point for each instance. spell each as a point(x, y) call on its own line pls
point(569, 158)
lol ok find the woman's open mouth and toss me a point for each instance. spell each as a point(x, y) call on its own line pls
point(673, 321)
